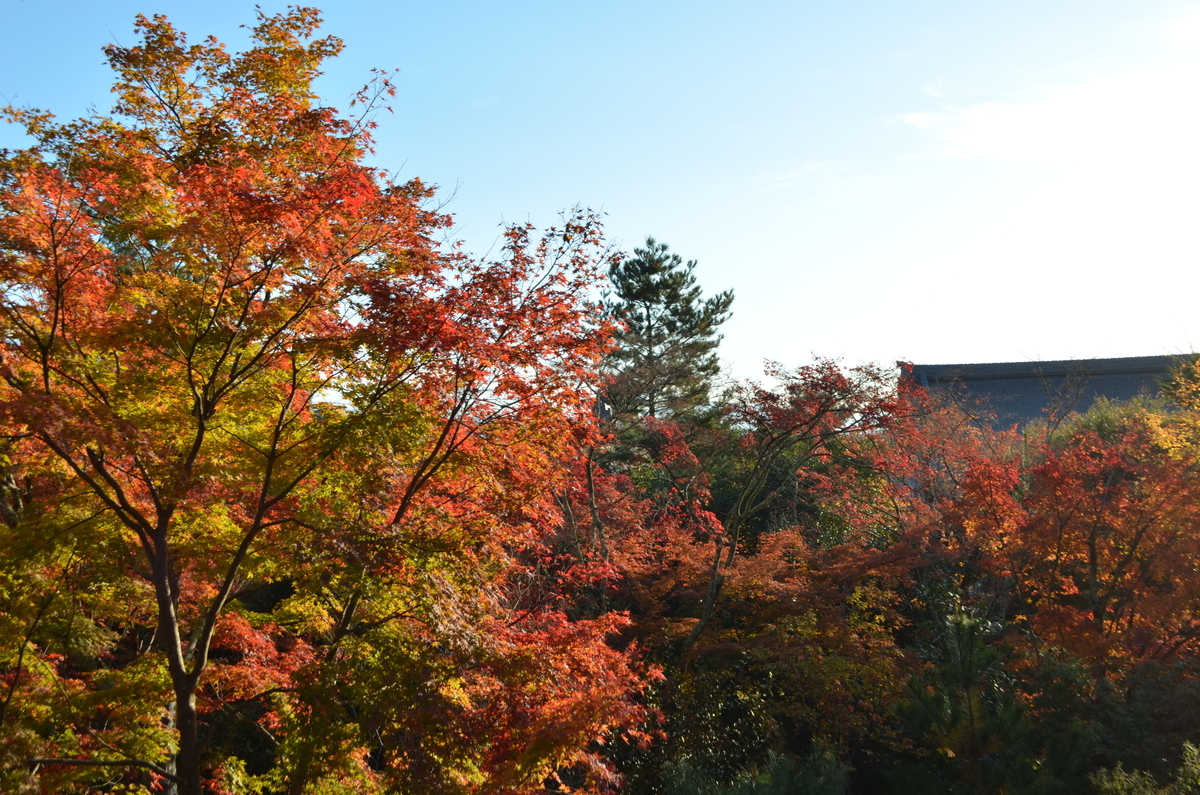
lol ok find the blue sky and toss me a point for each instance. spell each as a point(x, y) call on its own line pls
point(926, 180)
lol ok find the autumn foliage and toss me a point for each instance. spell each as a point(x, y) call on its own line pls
point(278, 467)
point(295, 498)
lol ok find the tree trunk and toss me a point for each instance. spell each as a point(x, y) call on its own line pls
point(188, 758)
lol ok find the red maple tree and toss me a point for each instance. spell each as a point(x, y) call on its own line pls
point(276, 461)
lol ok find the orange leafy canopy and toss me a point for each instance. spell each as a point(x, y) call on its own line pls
point(267, 442)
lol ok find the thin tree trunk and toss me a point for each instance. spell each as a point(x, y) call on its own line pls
point(715, 580)
point(598, 536)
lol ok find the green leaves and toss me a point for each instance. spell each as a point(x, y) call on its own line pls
point(233, 356)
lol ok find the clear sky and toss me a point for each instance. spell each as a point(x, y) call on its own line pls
point(931, 180)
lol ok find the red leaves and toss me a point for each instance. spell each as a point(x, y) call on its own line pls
point(250, 661)
point(1095, 529)
point(558, 690)
point(239, 356)
point(1113, 527)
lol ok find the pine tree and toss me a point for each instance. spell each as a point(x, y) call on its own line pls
point(666, 359)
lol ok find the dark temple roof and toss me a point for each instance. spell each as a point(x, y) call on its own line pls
point(1019, 392)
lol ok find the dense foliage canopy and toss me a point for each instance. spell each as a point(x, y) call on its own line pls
point(277, 468)
point(296, 499)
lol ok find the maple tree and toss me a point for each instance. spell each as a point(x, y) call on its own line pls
point(1071, 543)
point(840, 566)
point(1097, 533)
point(771, 632)
point(278, 471)
point(294, 499)
point(1034, 589)
point(784, 431)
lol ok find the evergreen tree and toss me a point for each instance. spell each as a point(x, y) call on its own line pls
point(666, 357)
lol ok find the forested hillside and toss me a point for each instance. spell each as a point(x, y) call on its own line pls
point(296, 498)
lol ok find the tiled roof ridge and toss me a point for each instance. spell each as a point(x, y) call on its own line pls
point(1131, 365)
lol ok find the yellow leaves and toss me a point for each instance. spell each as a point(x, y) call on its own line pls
point(249, 363)
point(454, 691)
point(1184, 387)
point(202, 532)
point(304, 614)
point(870, 608)
point(134, 694)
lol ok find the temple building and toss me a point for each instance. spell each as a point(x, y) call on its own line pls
point(1020, 392)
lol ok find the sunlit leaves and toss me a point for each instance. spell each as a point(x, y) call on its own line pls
point(272, 456)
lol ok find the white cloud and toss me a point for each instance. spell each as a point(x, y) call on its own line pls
point(1183, 33)
point(1148, 118)
point(1100, 253)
